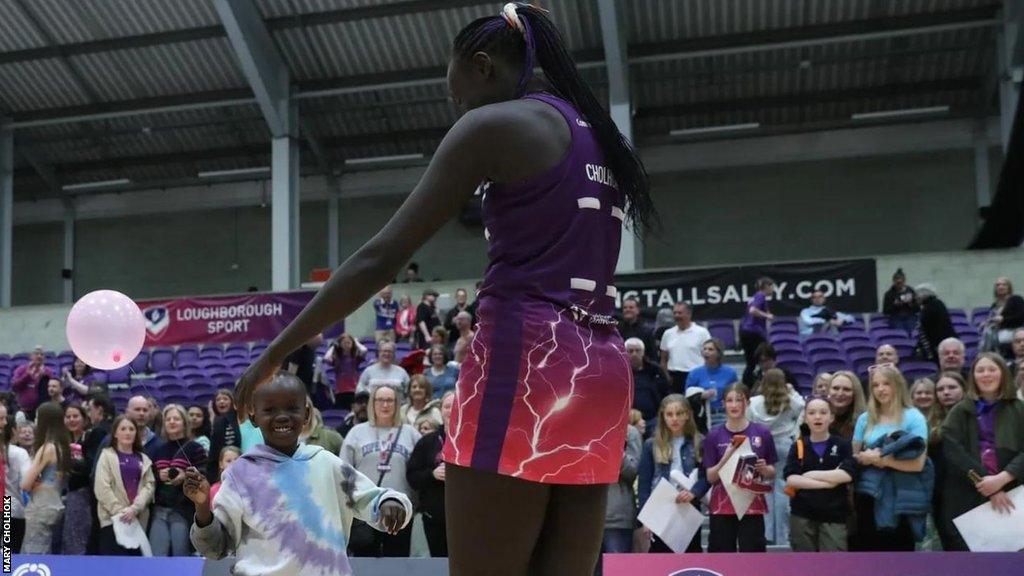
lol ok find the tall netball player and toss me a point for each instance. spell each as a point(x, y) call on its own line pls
point(539, 422)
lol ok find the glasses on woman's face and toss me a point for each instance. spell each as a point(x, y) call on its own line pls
point(874, 367)
point(385, 401)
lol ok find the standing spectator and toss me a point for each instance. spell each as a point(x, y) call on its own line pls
point(952, 357)
point(822, 383)
point(632, 325)
point(649, 385)
point(124, 485)
point(949, 391)
point(705, 385)
point(900, 304)
point(1018, 351)
point(728, 531)
point(680, 347)
point(933, 325)
point(173, 512)
point(441, 374)
point(461, 304)
point(385, 309)
point(55, 393)
point(302, 363)
point(29, 382)
point(620, 509)
point(199, 424)
point(846, 395)
point(314, 433)
point(880, 454)
point(767, 358)
point(27, 437)
point(154, 417)
point(45, 479)
point(421, 402)
point(754, 326)
point(16, 463)
point(380, 449)
point(405, 320)
point(346, 354)
point(357, 413)
point(78, 380)
point(426, 476)
point(779, 408)
point(222, 403)
point(74, 537)
point(675, 445)
point(818, 468)
point(426, 319)
point(227, 457)
point(983, 435)
point(464, 325)
point(384, 371)
point(887, 354)
point(101, 416)
point(819, 318)
point(412, 273)
point(139, 411)
point(1005, 314)
point(922, 395)
point(226, 430)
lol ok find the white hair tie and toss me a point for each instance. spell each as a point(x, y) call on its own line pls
point(512, 17)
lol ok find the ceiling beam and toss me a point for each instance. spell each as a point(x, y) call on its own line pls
point(812, 98)
point(217, 31)
point(588, 59)
point(265, 70)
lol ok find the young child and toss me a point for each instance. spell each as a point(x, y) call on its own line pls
point(818, 467)
point(727, 531)
point(227, 457)
point(285, 508)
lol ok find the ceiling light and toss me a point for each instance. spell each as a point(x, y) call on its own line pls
point(91, 185)
point(235, 172)
point(382, 159)
point(715, 129)
point(904, 113)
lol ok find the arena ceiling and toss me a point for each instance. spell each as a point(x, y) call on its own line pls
point(151, 91)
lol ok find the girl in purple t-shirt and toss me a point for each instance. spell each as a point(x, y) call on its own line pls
point(728, 531)
point(754, 326)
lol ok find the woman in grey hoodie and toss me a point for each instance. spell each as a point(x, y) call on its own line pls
point(380, 448)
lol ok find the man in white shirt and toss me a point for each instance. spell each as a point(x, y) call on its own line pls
point(680, 347)
point(384, 371)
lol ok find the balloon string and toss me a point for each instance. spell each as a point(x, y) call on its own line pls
point(185, 423)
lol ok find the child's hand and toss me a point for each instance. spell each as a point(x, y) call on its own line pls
point(196, 488)
point(392, 516)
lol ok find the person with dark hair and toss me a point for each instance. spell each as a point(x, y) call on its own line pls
point(124, 485)
point(77, 500)
point(933, 325)
point(767, 358)
point(101, 414)
point(15, 462)
point(633, 325)
point(900, 305)
point(45, 479)
point(346, 354)
point(426, 475)
point(426, 320)
point(412, 273)
point(172, 511)
point(461, 304)
point(1004, 316)
point(226, 432)
point(199, 423)
point(558, 180)
point(754, 327)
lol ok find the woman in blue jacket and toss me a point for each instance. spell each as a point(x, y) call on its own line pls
point(676, 445)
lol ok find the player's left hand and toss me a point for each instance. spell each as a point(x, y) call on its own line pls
point(392, 516)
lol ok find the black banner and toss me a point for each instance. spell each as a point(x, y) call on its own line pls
point(723, 292)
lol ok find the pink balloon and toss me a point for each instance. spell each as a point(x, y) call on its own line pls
point(106, 329)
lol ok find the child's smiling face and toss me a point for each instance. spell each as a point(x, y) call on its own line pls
point(279, 411)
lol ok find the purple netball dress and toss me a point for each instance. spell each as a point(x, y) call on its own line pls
point(545, 391)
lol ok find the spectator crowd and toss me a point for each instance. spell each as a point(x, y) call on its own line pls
point(878, 459)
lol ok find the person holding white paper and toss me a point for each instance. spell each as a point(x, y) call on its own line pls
point(983, 441)
point(124, 487)
point(731, 528)
point(675, 446)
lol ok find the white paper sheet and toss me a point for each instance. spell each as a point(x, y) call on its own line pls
point(675, 524)
point(985, 530)
point(132, 536)
point(741, 498)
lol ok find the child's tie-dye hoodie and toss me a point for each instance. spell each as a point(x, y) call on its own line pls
point(291, 515)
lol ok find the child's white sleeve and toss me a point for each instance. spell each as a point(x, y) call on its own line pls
point(367, 498)
point(224, 534)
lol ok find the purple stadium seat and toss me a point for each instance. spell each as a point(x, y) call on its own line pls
point(213, 365)
point(100, 376)
point(724, 332)
point(914, 369)
point(859, 347)
point(781, 347)
point(831, 365)
point(186, 357)
point(779, 337)
point(211, 352)
point(825, 354)
point(182, 399)
point(119, 375)
point(955, 313)
point(235, 356)
point(979, 315)
point(161, 360)
point(223, 374)
point(140, 365)
point(811, 347)
point(203, 399)
point(334, 418)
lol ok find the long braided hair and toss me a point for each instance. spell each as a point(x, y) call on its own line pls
point(522, 34)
